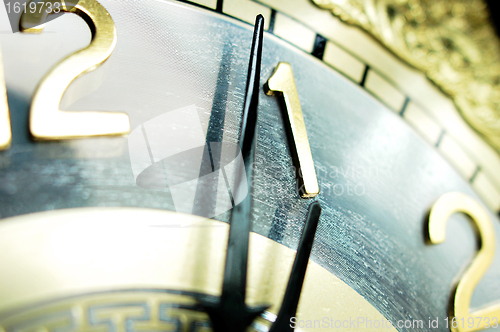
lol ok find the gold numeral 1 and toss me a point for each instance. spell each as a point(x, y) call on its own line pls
point(5, 131)
point(441, 211)
point(282, 83)
point(47, 122)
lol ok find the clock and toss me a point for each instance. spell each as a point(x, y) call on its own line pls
point(168, 167)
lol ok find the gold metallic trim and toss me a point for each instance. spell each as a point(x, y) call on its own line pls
point(124, 310)
point(47, 122)
point(282, 83)
point(5, 131)
point(451, 41)
point(441, 211)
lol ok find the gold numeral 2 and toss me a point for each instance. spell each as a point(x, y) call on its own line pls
point(444, 207)
point(47, 122)
point(282, 83)
point(5, 131)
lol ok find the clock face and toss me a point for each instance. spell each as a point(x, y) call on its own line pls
point(103, 226)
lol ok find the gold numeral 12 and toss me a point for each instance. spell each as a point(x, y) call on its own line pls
point(460, 317)
point(47, 122)
point(5, 131)
point(283, 84)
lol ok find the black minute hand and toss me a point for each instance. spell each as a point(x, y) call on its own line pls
point(231, 314)
point(292, 294)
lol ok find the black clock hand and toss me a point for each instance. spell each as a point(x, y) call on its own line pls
point(292, 294)
point(231, 314)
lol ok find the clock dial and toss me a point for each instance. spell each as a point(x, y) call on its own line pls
point(180, 74)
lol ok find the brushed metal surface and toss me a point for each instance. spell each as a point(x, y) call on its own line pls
point(169, 56)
